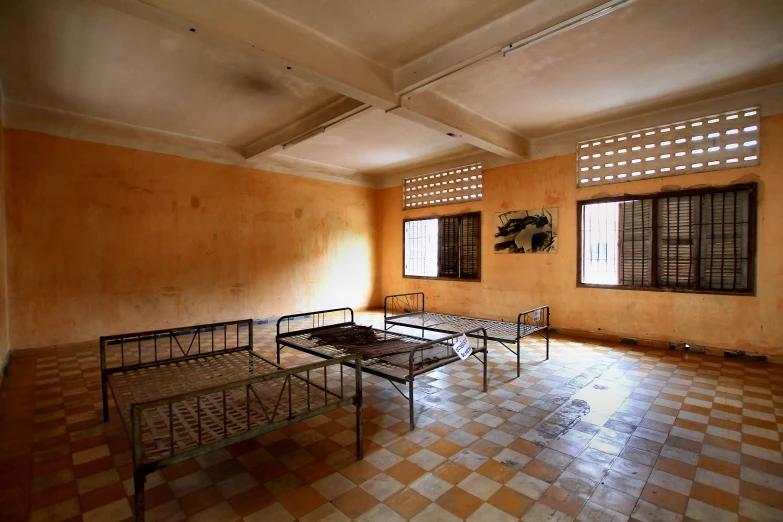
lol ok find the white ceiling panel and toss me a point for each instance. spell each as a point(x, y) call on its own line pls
point(650, 55)
point(376, 141)
point(393, 32)
point(83, 57)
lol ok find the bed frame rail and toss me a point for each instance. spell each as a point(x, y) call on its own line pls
point(131, 351)
point(537, 319)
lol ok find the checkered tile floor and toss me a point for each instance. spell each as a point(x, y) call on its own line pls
point(600, 432)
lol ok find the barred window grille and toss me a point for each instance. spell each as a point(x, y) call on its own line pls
point(600, 243)
point(421, 248)
point(716, 142)
point(443, 188)
point(447, 247)
point(687, 240)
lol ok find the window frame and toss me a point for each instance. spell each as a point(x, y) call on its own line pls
point(752, 188)
point(439, 217)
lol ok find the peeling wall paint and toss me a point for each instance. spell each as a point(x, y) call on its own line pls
point(511, 284)
point(105, 239)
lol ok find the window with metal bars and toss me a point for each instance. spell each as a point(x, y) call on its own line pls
point(446, 247)
point(691, 241)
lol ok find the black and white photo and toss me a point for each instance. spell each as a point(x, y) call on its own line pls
point(526, 231)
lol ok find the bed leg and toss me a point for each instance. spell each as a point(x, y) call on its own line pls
point(105, 397)
point(139, 478)
point(358, 399)
point(359, 434)
point(485, 367)
point(518, 358)
point(410, 402)
point(104, 381)
point(278, 353)
point(547, 343)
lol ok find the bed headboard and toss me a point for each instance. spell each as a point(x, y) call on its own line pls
point(309, 321)
point(403, 304)
point(142, 349)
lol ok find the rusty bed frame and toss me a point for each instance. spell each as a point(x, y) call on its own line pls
point(407, 310)
point(183, 392)
point(401, 368)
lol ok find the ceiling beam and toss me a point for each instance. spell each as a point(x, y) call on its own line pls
point(247, 27)
point(340, 111)
point(443, 115)
point(487, 42)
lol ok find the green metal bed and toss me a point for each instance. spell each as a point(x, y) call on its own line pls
point(183, 392)
point(407, 310)
point(410, 356)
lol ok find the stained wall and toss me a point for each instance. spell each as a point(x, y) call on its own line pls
point(105, 239)
point(3, 284)
point(513, 283)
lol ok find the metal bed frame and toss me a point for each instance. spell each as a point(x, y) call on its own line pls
point(183, 392)
point(408, 310)
point(400, 368)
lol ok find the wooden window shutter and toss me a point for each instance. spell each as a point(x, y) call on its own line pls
point(449, 246)
point(678, 240)
point(469, 242)
point(635, 242)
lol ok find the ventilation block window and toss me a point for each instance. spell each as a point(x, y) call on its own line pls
point(718, 142)
point(442, 188)
point(446, 247)
point(698, 241)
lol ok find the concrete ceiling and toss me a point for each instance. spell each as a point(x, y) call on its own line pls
point(397, 85)
point(374, 141)
point(83, 57)
point(650, 55)
point(393, 32)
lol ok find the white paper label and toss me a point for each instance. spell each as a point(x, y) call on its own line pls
point(462, 347)
point(537, 315)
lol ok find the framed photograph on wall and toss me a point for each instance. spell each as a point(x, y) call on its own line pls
point(526, 231)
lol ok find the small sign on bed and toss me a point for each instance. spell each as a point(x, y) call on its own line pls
point(462, 347)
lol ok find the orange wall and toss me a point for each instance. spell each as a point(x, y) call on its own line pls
point(104, 239)
point(512, 283)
